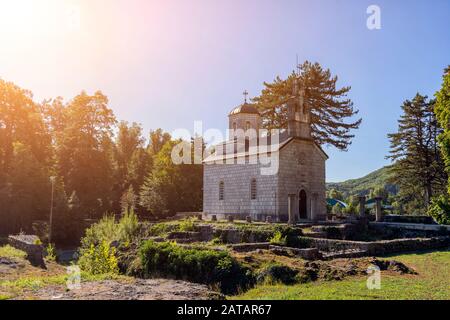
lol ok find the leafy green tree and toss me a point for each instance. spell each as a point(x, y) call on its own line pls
point(335, 194)
point(84, 149)
point(131, 161)
point(331, 109)
point(29, 188)
point(25, 156)
point(418, 168)
point(440, 209)
point(379, 191)
point(442, 110)
point(128, 201)
point(172, 188)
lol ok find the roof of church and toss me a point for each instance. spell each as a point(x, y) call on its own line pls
point(245, 108)
point(284, 139)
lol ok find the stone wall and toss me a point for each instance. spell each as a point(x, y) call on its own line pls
point(31, 246)
point(378, 247)
point(237, 182)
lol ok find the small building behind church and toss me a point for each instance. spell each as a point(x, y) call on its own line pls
point(295, 191)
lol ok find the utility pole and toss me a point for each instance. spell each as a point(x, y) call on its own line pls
point(52, 179)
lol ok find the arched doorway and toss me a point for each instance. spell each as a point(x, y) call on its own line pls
point(302, 205)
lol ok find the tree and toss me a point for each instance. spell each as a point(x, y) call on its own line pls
point(442, 111)
point(84, 149)
point(440, 210)
point(25, 152)
point(418, 168)
point(131, 161)
point(335, 194)
point(128, 201)
point(29, 196)
point(330, 108)
point(172, 188)
point(379, 191)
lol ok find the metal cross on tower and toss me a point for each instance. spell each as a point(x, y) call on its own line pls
point(245, 93)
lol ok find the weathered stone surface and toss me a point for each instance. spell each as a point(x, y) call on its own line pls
point(184, 235)
point(307, 254)
point(246, 247)
point(31, 245)
point(378, 247)
point(301, 167)
point(152, 289)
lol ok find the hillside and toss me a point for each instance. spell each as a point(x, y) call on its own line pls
point(365, 184)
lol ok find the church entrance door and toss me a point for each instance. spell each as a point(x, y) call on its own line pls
point(302, 205)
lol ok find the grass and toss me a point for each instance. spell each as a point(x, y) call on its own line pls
point(28, 278)
point(10, 252)
point(431, 283)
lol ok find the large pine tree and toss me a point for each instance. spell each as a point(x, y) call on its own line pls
point(418, 168)
point(332, 111)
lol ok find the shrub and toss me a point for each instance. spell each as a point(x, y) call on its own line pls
point(99, 259)
point(292, 235)
point(333, 233)
point(161, 229)
point(440, 209)
point(187, 225)
point(128, 226)
point(107, 229)
point(274, 274)
point(50, 252)
point(96, 252)
point(197, 265)
point(278, 239)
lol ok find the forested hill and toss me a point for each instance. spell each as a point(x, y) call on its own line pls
point(378, 178)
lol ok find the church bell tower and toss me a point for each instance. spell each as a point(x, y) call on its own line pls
point(299, 116)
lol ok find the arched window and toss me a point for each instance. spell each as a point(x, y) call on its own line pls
point(248, 125)
point(221, 190)
point(234, 127)
point(253, 189)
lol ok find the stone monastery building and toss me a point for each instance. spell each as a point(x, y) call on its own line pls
point(235, 184)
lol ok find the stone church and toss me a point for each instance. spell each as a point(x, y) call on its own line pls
point(294, 192)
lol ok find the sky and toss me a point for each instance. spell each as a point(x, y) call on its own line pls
point(167, 63)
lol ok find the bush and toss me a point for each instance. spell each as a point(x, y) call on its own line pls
point(291, 235)
point(197, 265)
point(97, 255)
point(440, 209)
point(275, 274)
point(278, 239)
point(50, 252)
point(128, 226)
point(187, 225)
point(161, 229)
point(99, 259)
point(107, 229)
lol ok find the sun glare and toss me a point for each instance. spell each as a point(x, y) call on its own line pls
point(18, 17)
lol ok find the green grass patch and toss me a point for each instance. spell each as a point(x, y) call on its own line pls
point(432, 282)
point(10, 252)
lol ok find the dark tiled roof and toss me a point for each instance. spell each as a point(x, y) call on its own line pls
point(245, 108)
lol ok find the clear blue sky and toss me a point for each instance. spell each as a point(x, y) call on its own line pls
point(168, 63)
